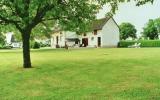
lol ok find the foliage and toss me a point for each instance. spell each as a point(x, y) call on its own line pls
point(150, 30)
point(5, 47)
point(157, 24)
point(17, 37)
point(127, 30)
point(2, 39)
point(144, 43)
point(126, 43)
point(68, 14)
point(36, 45)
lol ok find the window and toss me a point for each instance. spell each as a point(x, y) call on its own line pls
point(84, 34)
point(95, 32)
point(92, 38)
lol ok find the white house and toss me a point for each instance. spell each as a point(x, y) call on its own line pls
point(103, 33)
point(10, 40)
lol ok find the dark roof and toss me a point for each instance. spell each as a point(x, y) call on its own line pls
point(99, 23)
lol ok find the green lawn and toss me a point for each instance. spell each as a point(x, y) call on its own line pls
point(84, 74)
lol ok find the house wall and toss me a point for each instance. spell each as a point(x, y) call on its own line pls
point(70, 35)
point(92, 39)
point(9, 37)
point(62, 38)
point(110, 34)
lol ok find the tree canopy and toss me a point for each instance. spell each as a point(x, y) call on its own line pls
point(157, 24)
point(150, 30)
point(127, 30)
point(2, 39)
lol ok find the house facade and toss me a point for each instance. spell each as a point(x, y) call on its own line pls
point(60, 38)
point(103, 33)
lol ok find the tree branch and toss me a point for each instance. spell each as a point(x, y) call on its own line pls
point(4, 20)
point(41, 12)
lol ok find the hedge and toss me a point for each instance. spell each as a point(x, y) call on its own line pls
point(144, 43)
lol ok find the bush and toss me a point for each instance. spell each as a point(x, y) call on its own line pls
point(5, 47)
point(36, 45)
point(144, 43)
point(1, 46)
point(150, 43)
point(126, 43)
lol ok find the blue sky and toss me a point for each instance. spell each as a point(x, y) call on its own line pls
point(138, 16)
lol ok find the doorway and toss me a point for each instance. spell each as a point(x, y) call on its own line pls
point(57, 39)
point(85, 42)
point(99, 41)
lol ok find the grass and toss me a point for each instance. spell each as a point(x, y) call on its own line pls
point(81, 74)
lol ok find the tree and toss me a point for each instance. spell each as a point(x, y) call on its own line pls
point(150, 30)
point(157, 24)
point(127, 30)
point(2, 39)
point(25, 15)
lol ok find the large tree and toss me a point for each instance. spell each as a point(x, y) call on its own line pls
point(150, 30)
point(127, 30)
point(25, 15)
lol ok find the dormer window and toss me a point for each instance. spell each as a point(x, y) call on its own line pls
point(95, 32)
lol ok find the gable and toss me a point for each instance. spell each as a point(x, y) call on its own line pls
point(110, 25)
point(99, 23)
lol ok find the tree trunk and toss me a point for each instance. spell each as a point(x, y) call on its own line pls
point(26, 50)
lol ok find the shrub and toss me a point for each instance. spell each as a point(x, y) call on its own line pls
point(1, 46)
point(5, 47)
point(126, 43)
point(144, 43)
point(36, 45)
point(150, 43)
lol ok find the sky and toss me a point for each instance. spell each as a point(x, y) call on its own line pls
point(138, 16)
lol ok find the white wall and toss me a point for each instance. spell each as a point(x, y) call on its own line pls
point(61, 40)
point(92, 39)
point(9, 37)
point(94, 42)
point(110, 34)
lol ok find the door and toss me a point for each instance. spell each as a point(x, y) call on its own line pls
point(57, 39)
point(99, 41)
point(85, 42)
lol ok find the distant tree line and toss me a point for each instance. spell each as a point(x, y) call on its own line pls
point(150, 31)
